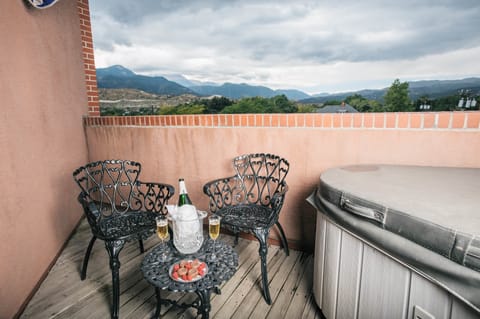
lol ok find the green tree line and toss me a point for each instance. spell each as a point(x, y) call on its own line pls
point(222, 105)
point(396, 99)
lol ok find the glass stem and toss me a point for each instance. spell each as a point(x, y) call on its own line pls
point(213, 249)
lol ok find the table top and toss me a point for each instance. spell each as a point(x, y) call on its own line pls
point(220, 270)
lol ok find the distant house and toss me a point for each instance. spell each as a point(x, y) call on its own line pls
point(343, 108)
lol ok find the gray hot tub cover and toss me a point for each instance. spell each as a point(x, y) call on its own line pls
point(428, 217)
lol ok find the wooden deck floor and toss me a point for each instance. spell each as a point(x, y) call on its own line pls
point(64, 295)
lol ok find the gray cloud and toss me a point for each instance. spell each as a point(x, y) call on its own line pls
point(268, 34)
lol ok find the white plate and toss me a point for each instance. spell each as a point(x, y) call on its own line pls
point(197, 278)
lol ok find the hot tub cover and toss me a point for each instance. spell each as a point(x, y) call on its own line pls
point(428, 217)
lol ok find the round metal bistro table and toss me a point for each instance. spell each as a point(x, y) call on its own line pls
point(220, 269)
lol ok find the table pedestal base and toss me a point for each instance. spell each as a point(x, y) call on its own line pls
point(202, 303)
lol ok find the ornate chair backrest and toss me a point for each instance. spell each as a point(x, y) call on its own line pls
point(260, 177)
point(110, 186)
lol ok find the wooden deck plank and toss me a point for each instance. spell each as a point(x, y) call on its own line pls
point(287, 290)
point(255, 295)
point(249, 292)
point(63, 295)
point(248, 259)
point(277, 278)
point(311, 310)
point(303, 292)
point(64, 286)
point(97, 291)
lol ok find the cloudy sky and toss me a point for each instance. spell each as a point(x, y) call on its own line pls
point(314, 46)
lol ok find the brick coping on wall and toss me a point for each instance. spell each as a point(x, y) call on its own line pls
point(430, 120)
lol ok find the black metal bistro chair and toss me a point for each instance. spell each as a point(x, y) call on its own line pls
point(251, 200)
point(119, 209)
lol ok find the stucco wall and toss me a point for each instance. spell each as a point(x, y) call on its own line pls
point(43, 97)
point(201, 153)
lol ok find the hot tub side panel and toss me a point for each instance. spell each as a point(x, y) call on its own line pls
point(355, 280)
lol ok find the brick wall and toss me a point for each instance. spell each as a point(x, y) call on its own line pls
point(430, 120)
point(88, 58)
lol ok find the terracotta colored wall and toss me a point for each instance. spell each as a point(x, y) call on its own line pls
point(43, 97)
point(200, 148)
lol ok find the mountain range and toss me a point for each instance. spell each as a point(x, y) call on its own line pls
point(117, 77)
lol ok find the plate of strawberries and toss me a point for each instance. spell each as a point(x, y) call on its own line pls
point(188, 270)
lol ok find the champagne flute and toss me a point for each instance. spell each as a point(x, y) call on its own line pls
point(214, 231)
point(162, 233)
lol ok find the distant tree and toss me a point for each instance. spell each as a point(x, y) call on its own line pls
point(166, 110)
point(276, 104)
point(332, 102)
point(356, 96)
point(111, 111)
point(189, 108)
point(446, 103)
point(306, 108)
point(216, 104)
point(396, 99)
point(129, 110)
point(375, 106)
point(281, 104)
point(358, 102)
point(247, 105)
point(361, 104)
point(423, 103)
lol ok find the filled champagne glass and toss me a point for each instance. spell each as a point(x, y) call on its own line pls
point(214, 231)
point(162, 233)
point(162, 230)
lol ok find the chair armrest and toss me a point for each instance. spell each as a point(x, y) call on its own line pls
point(91, 210)
point(277, 199)
point(152, 196)
point(222, 191)
point(88, 205)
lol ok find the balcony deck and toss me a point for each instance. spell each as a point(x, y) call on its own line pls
point(64, 295)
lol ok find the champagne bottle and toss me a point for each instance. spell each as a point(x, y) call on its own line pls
point(183, 198)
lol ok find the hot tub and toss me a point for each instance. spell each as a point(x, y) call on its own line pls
point(398, 242)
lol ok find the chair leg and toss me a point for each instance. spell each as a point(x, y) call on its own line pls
point(283, 238)
point(83, 275)
point(158, 308)
point(140, 243)
point(114, 248)
point(262, 235)
point(235, 243)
